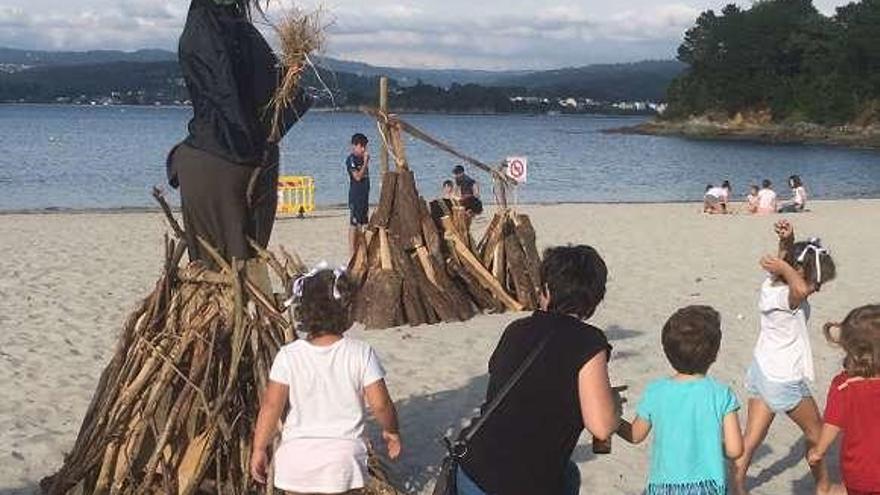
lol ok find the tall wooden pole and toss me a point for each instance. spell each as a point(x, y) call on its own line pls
point(383, 106)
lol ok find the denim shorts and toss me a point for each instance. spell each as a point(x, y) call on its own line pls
point(780, 397)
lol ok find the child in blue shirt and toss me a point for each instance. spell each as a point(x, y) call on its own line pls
point(693, 417)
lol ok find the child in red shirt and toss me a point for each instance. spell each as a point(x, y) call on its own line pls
point(853, 404)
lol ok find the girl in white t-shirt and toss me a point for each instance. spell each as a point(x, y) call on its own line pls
point(798, 196)
point(327, 379)
point(782, 366)
point(767, 201)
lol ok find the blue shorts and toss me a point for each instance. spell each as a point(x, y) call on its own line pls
point(780, 397)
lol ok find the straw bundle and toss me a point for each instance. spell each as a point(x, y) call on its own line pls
point(175, 409)
point(300, 34)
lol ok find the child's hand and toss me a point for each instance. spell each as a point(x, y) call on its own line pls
point(774, 265)
point(784, 230)
point(259, 466)
point(392, 443)
point(814, 457)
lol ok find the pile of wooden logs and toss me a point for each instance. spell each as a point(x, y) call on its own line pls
point(175, 409)
point(411, 269)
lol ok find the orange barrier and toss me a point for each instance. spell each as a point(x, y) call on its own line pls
point(296, 195)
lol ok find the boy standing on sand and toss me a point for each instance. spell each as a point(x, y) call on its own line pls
point(358, 166)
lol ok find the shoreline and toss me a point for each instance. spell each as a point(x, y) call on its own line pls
point(329, 210)
point(854, 137)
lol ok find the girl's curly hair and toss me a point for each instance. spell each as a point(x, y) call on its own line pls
point(324, 305)
point(859, 336)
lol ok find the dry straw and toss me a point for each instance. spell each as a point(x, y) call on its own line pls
point(175, 409)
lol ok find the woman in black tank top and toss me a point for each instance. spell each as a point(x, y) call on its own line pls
point(526, 445)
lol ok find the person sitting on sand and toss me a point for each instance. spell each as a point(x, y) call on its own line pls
point(853, 404)
point(752, 200)
point(716, 198)
point(525, 446)
point(693, 417)
point(766, 198)
point(326, 379)
point(798, 200)
point(782, 365)
point(467, 191)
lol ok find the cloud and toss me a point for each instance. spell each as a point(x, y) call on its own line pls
point(488, 34)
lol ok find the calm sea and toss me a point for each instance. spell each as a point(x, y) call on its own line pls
point(110, 157)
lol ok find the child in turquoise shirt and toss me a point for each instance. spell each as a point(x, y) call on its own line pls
point(693, 416)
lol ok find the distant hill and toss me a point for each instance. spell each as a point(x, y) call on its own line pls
point(409, 77)
point(38, 58)
point(633, 81)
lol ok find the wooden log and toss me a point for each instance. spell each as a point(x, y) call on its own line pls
point(385, 256)
point(486, 246)
point(481, 296)
point(359, 263)
point(499, 264)
point(413, 309)
point(525, 232)
point(433, 239)
point(472, 264)
point(406, 222)
point(517, 270)
point(382, 215)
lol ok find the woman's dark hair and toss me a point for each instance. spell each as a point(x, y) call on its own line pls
point(448, 183)
point(814, 274)
point(860, 338)
point(766, 184)
point(458, 169)
point(691, 338)
point(324, 305)
point(359, 139)
point(726, 185)
point(709, 186)
point(795, 181)
point(575, 278)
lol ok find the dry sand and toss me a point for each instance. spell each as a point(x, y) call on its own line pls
point(68, 280)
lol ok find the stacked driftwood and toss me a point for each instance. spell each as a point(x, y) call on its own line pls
point(175, 409)
point(414, 270)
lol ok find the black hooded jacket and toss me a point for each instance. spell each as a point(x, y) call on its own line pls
point(231, 74)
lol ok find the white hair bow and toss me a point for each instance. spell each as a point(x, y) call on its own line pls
point(299, 282)
point(814, 245)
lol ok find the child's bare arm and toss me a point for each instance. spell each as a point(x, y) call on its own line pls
point(798, 288)
point(383, 409)
point(826, 438)
point(271, 409)
point(635, 432)
point(785, 231)
point(733, 440)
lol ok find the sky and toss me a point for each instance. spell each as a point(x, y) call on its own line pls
point(472, 34)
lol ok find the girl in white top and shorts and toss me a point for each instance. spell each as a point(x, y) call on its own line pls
point(327, 379)
point(779, 376)
point(798, 196)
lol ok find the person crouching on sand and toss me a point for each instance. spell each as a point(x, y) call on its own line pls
point(752, 200)
point(782, 365)
point(693, 417)
point(326, 379)
point(853, 404)
point(525, 447)
point(716, 198)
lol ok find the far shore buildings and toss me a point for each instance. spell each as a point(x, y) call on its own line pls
point(572, 104)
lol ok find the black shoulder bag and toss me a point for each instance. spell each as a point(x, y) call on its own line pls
point(455, 451)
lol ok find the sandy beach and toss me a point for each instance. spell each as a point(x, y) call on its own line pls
point(69, 279)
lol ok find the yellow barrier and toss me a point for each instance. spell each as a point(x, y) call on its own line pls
point(296, 194)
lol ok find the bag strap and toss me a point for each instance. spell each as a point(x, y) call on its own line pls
point(505, 391)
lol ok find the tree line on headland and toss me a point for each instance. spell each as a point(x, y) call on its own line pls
point(781, 61)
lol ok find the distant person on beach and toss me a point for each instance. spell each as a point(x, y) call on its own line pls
point(448, 190)
point(358, 167)
point(798, 200)
point(767, 201)
point(526, 446)
point(325, 381)
point(715, 199)
point(752, 200)
point(467, 191)
point(693, 417)
point(853, 405)
point(778, 379)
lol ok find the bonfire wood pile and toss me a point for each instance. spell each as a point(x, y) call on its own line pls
point(414, 270)
point(175, 409)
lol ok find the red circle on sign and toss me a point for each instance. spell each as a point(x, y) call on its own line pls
point(516, 168)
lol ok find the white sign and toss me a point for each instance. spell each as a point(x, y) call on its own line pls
point(518, 168)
